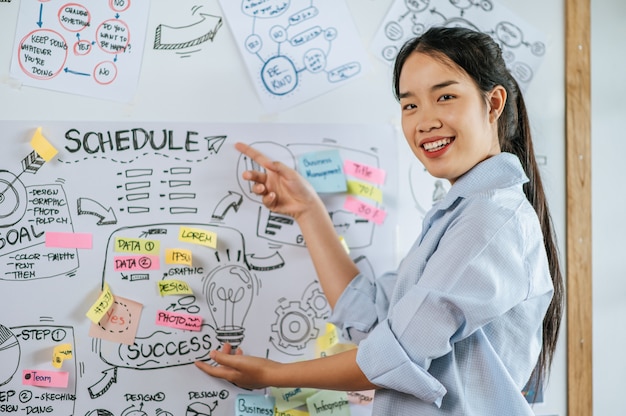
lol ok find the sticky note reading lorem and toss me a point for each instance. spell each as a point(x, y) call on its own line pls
point(324, 171)
point(198, 236)
point(42, 146)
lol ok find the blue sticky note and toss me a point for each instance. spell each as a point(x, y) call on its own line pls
point(247, 404)
point(323, 170)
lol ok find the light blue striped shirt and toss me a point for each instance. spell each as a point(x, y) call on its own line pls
point(456, 329)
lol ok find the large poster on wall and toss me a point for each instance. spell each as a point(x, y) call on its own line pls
point(130, 250)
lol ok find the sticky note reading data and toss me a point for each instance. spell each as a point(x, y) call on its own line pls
point(365, 172)
point(178, 256)
point(137, 245)
point(68, 240)
point(364, 210)
point(133, 263)
point(198, 236)
point(179, 320)
point(247, 404)
point(42, 146)
point(174, 287)
point(61, 353)
point(45, 378)
point(102, 305)
point(365, 190)
point(323, 170)
point(290, 398)
point(327, 402)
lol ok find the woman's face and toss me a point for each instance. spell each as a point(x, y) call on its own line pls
point(447, 122)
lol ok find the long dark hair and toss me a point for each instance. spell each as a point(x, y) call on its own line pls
point(481, 58)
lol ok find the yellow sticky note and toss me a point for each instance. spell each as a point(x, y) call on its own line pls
point(365, 190)
point(42, 146)
point(101, 306)
point(329, 339)
point(344, 244)
point(174, 287)
point(137, 245)
point(61, 353)
point(290, 412)
point(178, 256)
point(198, 236)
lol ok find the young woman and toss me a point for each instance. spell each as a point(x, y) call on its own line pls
point(474, 308)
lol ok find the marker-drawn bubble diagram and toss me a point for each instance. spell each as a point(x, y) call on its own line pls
point(12, 199)
point(9, 355)
point(279, 73)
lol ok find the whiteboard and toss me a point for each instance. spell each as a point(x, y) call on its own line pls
point(212, 87)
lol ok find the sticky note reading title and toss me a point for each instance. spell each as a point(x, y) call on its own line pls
point(179, 320)
point(42, 146)
point(198, 236)
point(61, 353)
point(45, 378)
point(247, 404)
point(365, 172)
point(101, 306)
point(324, 171)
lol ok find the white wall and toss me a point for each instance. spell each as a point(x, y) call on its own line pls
point(608, 148)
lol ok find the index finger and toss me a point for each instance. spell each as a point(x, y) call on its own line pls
point(255, 155)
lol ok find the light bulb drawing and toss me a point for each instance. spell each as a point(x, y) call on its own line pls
point(229, 293)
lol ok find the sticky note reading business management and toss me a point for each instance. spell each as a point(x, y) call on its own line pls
point(260, 404)
point(198, 236)
point(323, 170)
point(61, 353)
point(178, 256)
point(101, 306)
point(42, 146)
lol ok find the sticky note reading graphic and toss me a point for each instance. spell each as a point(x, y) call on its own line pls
point(45, 378)
point(326, 402)
point(365, 190)
point(61, 353)
point(137, 245)
point(132, 263)
point(323, 170)
point(68, 240)
point(179, 320)
point(102, 305)
point(42, 146)
point(174, 287)
point(262, 405)
point(120, 323)
point(364, 210)
point(290, 398)
point(198, 236)
point(367, 173)
point(178, 256)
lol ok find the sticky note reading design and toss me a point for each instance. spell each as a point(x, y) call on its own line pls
point(68, 240)
point(323, 170)
point(102, 305)
point(61, 353)
point(130, 263)
point(45, 378)
point(178, 256)
point(365, 172)
point(174, 287)
point(247, 404)
point(327, 402)
point(365, 190)
point(42, 146)
point(198, 236)
point(290, 398)
point(137, 245)
point(364, 210)
point(179, 320)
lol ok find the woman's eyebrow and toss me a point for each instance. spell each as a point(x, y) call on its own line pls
point(443, 85)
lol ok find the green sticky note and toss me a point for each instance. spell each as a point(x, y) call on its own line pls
point(290, 398)
point(329, 402)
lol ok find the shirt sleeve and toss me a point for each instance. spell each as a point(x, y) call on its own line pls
point(476, 274)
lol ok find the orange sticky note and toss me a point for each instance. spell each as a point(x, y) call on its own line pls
point(42, 146)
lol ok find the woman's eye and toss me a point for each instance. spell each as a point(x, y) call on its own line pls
point(446, 97)
point(409, 107)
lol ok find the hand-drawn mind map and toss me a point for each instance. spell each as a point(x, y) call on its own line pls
point(140, 191)
point(523, 46)
point(86, 48)
point(295, 49)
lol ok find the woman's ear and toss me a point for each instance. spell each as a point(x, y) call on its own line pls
point(496, 101)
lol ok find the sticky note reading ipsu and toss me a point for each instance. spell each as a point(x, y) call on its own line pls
point(45, 378)
point(324, 171)
point(178, 256)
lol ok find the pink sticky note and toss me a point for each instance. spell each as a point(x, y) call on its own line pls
point(365, 172)
point(68, 240)
point(364, 210)
point(140, 262)
point(120, 323)
point(179, 320)
point(45, 378)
